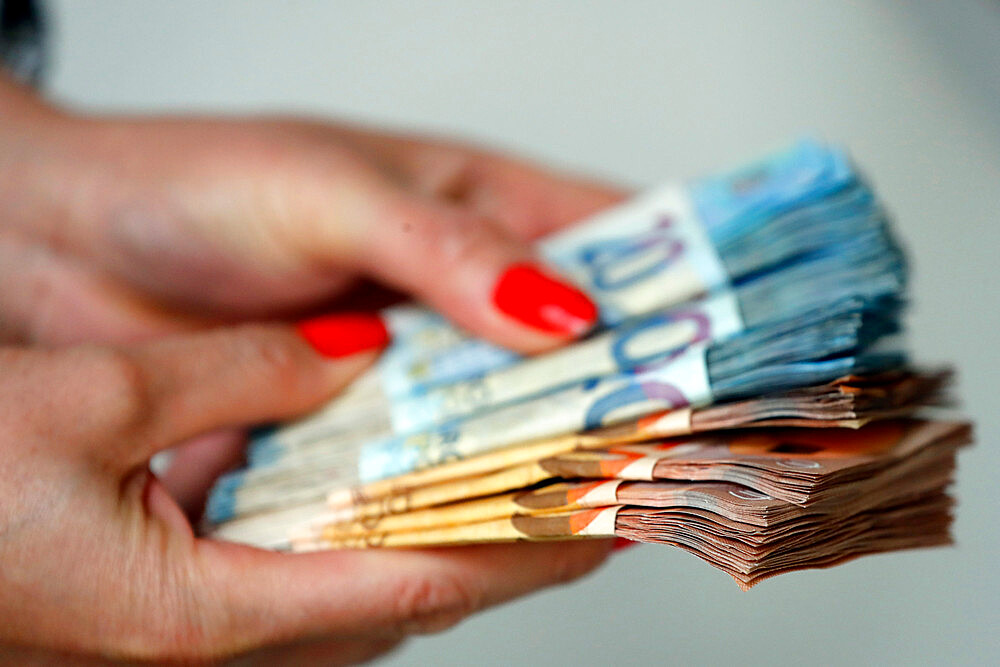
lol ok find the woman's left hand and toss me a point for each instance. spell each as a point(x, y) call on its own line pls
point(117, 228)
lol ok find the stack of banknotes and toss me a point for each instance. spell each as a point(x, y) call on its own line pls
point(746, 397)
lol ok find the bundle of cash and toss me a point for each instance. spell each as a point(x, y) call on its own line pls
point(752, 504)
point(796, 230)
point(818, 346)
point(746, 397)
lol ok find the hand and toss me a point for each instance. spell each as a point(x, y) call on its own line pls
point(123, 228)
point(96, 558)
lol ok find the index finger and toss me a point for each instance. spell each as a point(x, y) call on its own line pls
point(528, 199)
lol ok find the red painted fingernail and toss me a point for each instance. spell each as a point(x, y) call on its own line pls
point(622, 543)
point(533, 298)
point(344, 334)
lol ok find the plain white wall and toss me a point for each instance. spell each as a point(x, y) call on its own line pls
point(640, 92)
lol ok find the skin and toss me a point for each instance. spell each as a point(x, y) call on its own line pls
point(130, 251)
point(99, 559)
point(122, 228)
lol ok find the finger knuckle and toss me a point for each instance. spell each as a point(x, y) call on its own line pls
point(452, 175)
point(124, 391)
point(432, 604)
point(460, 242)
point(269, 357)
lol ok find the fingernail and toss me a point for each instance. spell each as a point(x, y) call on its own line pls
point(344, 334)
point(622, 543)
point(542, 302)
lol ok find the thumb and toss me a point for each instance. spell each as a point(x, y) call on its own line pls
point(473, 271)
point(180, 387)
point(275, 598)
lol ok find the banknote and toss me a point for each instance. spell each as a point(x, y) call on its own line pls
point(794, 465)
point(640, 342)
point(901, 518)
point(848, 235)
point(791, 464)
point(666, 247)
point(660, 247)
point(791, 231)
point(859, 245)
point(929, 470)
point(878, 490)
point(745, 396)
point(921, 472)
point(368, 413)
point(816, 348)
point(845, 403)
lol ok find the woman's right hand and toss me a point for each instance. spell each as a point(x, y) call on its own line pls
point(97, 559)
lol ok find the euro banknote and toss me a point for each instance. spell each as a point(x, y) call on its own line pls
point(815, 348)
point(665, 247)
point(795, 230)
point(296, 499)
point(770, 461)
point(850, 233)
point(745, 395)
point(367, 412)
point(876, 489)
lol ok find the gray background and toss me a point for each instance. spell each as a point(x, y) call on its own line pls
point(639, 92)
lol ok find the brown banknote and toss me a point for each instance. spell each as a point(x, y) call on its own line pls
point(849, 402)
point(921, 454)
point(794, 464)
point(930, 468)
point(277, 500)
point(748, 552)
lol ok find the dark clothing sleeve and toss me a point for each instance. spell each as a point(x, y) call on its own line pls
point(22, 51)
